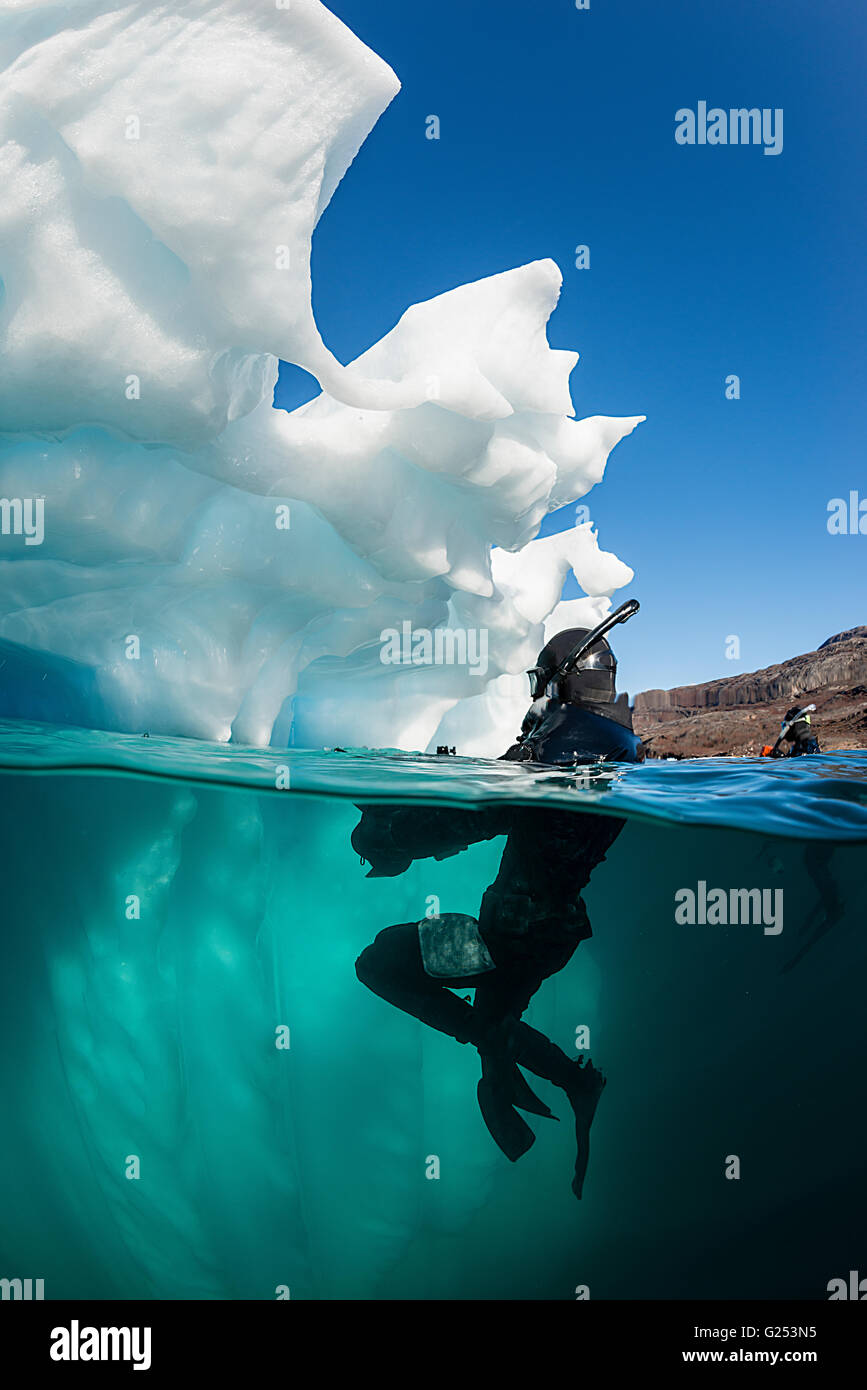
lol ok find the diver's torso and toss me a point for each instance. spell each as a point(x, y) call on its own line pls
point(803, 746)
point(563, 735)
point(534, 906)
point(550, 855)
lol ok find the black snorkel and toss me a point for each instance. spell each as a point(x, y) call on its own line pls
point(622, 614)
point(543, 678)
point(573, 720)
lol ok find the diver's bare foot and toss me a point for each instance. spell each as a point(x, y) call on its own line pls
point(584, 1091)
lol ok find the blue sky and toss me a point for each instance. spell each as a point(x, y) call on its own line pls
point(558, 130)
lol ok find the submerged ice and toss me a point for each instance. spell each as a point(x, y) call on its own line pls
point(211, 566)
point(148, 972)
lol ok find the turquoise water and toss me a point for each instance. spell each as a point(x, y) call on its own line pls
point(305, 1167)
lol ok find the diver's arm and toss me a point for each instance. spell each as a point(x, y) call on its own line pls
point(532, 719)
point(389, 838)
point(373, 841)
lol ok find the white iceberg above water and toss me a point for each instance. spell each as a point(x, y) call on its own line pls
point(211, 566)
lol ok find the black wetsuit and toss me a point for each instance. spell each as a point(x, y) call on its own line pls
point(531, 918)
point(800, 748)
point(798, 733)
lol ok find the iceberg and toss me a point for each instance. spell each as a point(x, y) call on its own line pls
point(211, 566)
point(200, 1100)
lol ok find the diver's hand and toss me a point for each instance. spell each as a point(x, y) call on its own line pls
point(372, 839)
point(387, 867)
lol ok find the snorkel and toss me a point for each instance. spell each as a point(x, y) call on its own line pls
point(770, 751)
point(545, 678)
point(622, 614)
point(575, 716)
point(788, 724)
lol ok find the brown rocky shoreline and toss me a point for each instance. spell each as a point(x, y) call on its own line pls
point(739, 714)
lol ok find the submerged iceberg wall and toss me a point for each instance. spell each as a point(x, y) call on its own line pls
point(198, 562)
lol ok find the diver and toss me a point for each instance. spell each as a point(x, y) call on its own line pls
point(796, 730)
point(531, 918)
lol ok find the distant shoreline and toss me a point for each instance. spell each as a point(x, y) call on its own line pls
point(739, 714)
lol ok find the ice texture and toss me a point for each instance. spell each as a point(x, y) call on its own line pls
point(211, 566)
point(164, 167)
point(154, 1035)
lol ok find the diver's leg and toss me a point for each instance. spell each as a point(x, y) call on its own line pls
point(830, 906)
point(502, 1088)
point(581, 1081)
point(504, 995)
point(392, 967)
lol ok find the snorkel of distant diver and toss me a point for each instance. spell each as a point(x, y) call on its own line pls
point(795, 716)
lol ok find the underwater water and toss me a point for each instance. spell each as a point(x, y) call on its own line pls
point(172, 907)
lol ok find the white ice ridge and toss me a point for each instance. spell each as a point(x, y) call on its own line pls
point(211, 566)
point(163, 168)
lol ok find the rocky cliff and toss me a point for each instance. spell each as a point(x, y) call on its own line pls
point(740, 713)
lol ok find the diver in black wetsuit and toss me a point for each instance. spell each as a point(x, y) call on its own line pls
point(797, 731)
point(531, 918)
